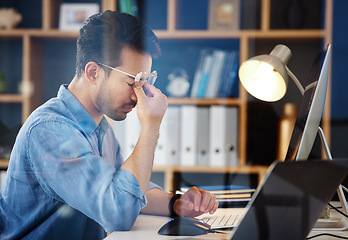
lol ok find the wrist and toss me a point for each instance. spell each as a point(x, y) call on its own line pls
point(151, 126)
point(172, 213)
point(150, 132)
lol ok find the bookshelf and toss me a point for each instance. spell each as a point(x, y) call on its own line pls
point(251, 40)
point(171, 172)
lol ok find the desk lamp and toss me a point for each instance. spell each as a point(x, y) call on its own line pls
point(266, 76)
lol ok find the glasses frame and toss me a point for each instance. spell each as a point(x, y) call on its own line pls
point(140, 78)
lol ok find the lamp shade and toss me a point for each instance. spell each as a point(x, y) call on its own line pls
point(265, 76)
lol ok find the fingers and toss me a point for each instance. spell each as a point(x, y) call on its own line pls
point(139, 92)
point(147, 90)
point(149, 87)
point(151, 90)
point(196, 195)
point(215, 207)
point(208, 202)
point(203, 201)
point(195, 202)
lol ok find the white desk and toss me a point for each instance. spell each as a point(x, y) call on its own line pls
point(146, 227)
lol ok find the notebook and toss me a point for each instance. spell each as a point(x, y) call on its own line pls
point(289, 200)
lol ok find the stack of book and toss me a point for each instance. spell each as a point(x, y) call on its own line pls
point(227, 197)
point(216, 74)
point(240, 195)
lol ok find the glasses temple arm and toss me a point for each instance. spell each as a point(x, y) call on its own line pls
point(118, 70)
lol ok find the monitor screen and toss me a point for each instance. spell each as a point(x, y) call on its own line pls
point(311, 109)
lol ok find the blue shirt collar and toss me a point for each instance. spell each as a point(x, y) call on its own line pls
point(83, 118)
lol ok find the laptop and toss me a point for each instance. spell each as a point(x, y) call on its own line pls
point(290, 199)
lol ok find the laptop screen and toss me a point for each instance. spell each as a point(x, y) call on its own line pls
point(290, 199)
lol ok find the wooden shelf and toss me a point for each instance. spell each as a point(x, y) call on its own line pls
point(211, 169)
point(286, 34)
point(54, 34)
point(38, 33)
point(170, 172)
point(204, 101)
point(11, 98)
point(179, 34)
point(197, 34)
point(4, 163)
point(12, 33)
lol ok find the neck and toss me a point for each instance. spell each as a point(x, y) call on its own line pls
point(81, 91)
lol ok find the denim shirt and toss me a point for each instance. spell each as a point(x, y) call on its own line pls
point(62, 184)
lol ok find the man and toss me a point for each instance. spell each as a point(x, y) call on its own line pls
point(66, 177)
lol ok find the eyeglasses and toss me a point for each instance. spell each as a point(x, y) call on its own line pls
point(140, 78)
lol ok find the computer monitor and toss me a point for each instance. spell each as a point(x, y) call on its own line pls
point(311, 109)
point(307, 127)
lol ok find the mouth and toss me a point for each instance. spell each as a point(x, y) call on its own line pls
point(128, 108)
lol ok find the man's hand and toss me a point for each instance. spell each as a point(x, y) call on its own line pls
point(151, 106)
point(195, 202)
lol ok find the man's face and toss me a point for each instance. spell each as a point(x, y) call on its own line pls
point(116, 97)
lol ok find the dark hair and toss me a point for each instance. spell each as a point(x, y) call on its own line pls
point(103, 36)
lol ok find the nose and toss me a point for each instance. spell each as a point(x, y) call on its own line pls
point(134, 97)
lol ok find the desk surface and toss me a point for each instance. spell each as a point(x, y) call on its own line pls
point(146, 227)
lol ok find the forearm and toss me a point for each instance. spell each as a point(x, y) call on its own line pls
point(157, 202)
point(140, 162)
point(150, 110)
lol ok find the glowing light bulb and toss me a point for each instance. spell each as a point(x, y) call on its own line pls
point(262, 81)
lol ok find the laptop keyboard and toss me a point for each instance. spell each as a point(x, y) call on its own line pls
point(223, 218)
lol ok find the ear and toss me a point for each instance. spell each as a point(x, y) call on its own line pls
point(92, 71)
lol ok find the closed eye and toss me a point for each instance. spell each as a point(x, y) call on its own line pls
point(130, 79)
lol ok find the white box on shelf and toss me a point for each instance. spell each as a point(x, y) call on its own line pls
point(167, 149)
point(132, 131)
point(194, 139)
point(223, 136)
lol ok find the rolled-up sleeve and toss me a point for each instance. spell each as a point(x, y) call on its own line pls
point(69, 171)
point(154, 185)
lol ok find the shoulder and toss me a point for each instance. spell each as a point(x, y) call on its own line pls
point(51, 118)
